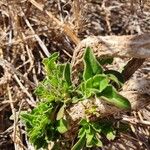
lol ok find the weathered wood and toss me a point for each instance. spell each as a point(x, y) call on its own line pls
point(131, 67)
point(131, 46)
point(137, 46)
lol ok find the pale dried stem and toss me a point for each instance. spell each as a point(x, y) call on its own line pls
point(107, 16)
point(31, 101)
point(136, 121)
point(78, 9)
point(16, 135)
point(30, 55)
point(41, 43)
point(13, 111)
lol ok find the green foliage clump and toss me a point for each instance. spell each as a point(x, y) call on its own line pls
point(89, 133)
point(47, 122)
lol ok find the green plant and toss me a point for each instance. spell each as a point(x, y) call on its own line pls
point(47, 122)
point(89, 133)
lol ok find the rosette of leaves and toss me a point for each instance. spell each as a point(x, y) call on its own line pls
point(47, 122)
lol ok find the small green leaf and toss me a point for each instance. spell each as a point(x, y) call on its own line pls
point(50, 64)
point(97, 127)
point(117, 74)
point(44, 92)
point(112, 96)
point(27, 117)
point(62, 126)
point(88, 129)
point(54, 81)
point(60, 113)
point(114, 81)
point(111, 135)
point(80, 144)
point(94, 85)
point(97, 142)
point(109, 132)
point(85, 92)
point(84, 122)
point(67, 74)
point(60, 71)
point(91, 65)
point(81, 132)
point(99, 82)
point(94, 142)
point(89, 137)
point(39, 90)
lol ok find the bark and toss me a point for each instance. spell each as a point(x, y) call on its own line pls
point(131, 67)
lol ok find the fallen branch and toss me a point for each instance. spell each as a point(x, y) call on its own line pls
point(132, 46)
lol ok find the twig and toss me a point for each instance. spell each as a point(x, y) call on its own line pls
point(30, 55)
point(60, 11)
point(107, 16)
point(13, 112)
point(16, 136)
point(31, 101)
point(135, 121)
point(78, 8)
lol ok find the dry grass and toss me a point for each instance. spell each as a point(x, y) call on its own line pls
point(31, 30)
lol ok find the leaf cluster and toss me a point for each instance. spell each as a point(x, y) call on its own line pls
point(100, 83)
point(90, 134)
point(47, 122)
